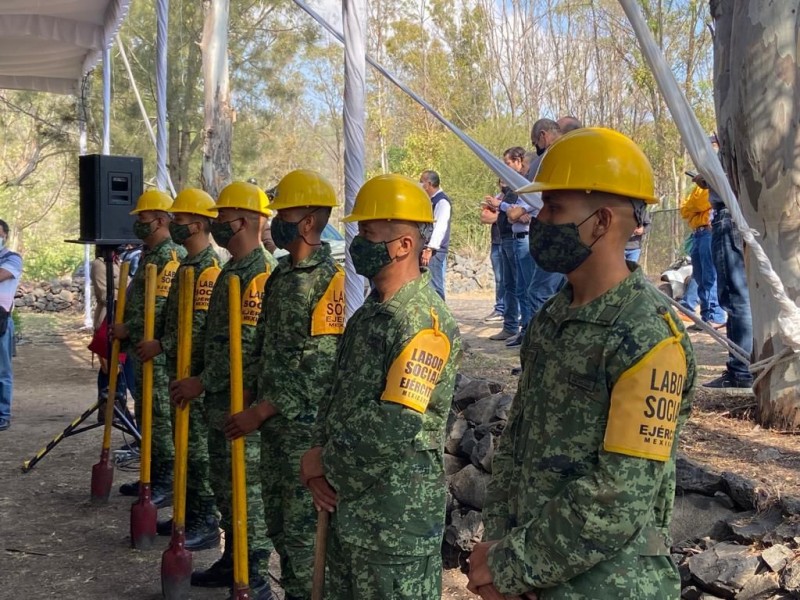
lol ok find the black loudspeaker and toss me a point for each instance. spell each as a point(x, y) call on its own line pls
point(110, 187)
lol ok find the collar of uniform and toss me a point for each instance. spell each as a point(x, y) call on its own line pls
point(247, 259)
point(602, 310)
point(402, 296)
point(161, 244)
point(319, 255)
point(199, 257)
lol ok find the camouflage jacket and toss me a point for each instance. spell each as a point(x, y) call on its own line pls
point(253, 271)
point(382, 428)
point(165, 256)
point(584, 476)
point(297, 336)
point(206, 269)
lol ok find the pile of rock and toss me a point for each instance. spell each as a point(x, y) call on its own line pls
point(731, 540)
point(468, 274)
point(57, 295)
point(736, 542)
point(477, 418)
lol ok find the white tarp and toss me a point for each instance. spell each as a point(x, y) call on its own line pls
point(48, 45)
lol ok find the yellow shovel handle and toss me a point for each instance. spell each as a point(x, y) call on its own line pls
point(113, 363)
point(240, 572)
point(185, 314)
point(147, 372)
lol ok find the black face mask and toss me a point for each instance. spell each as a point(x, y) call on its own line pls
point(539, 151)
point(223, 232)
point(558, 248)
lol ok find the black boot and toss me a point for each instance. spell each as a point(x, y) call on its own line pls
point(162, 494)
point(164, 527)
point(130, 489)
point(220, 574)
point(202, 533)
point(260, 589)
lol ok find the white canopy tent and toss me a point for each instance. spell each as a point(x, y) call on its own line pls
point(49, 46)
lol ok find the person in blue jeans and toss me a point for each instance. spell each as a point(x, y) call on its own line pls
point(704, 273)
point(489, 217)
point(10, 273)
point(727, 247)
point(517, 260)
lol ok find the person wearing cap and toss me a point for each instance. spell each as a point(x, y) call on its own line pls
point(291, 368)
point(377, 458)
point(193, 211)
point(583, 481)
point(152, 227)
point(242, 208)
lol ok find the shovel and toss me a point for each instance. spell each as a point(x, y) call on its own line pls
point(241, 583)
point(320, 546)
point(103, 471)
point(143, 511)
point(176, 562)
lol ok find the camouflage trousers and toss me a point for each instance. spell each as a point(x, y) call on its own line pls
point(163, 450)
point(219, 453)
point(199, 495)
point(289, 510)
point(356, 573)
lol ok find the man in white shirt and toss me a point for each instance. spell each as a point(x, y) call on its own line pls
point(10, 272)
point(434, 256)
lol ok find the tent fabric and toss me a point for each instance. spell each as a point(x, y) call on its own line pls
point(354, 17)
point(49, 45)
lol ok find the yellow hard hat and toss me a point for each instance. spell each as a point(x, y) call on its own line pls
point(152, 200)
point(303, 187)
point(194, 201)
point(391, 197)
point(595, 159)
point(246, 196)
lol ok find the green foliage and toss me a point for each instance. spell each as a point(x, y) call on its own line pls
point(49, 260)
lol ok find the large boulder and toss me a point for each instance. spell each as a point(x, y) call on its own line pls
point(485, 410)
point(724, 569)
point(465, 530)
point(469, 486)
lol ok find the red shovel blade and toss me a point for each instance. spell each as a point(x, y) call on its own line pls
point(102, 478)
point(144, 515)
point(176, 567)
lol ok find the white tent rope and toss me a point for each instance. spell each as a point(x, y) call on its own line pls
point(162, 20)
point(106, 101)
point(733, 348)
point(142, 109)
point(705, 159)
point(354, 16)
point(507, 174)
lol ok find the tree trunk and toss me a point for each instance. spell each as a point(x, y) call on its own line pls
point(218, 129)
point(757, 94)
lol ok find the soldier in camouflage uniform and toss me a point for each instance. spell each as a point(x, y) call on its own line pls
point(152, 227)
point(379, 439)
point(583, 482)
point(242, 208)
point(302, 319)
point(192, 211)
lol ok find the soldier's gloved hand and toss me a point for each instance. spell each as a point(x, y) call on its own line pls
point(148, 350)
point(119, 331)
point(185, 390)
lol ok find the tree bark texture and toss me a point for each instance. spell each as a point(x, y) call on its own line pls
point(757, 95)
point(218, 129)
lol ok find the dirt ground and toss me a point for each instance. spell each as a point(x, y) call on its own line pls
point(54, 543)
